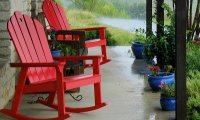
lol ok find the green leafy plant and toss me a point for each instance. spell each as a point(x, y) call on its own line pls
point(54, 45)
point(95, 34)
point(192, 60)
point(109, 39)
point(155, 70)
point(168, 69)
point(163, 47)
point(66, 50)
point(193, 108)
point(140, 36)
point(193, 101)
point(167, 90)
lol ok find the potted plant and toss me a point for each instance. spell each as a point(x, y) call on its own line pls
point(167, 97)
point(139, 43)
point(156, 76)
point(163, 46)
point(59, 48)
point(55, 46)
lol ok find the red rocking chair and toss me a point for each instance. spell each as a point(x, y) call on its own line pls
point(43, 73)
point(57, 20)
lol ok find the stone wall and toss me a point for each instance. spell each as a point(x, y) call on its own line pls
point(36, 7)
point(8, 75)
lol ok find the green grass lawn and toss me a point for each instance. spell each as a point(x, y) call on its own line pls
point(82, 19)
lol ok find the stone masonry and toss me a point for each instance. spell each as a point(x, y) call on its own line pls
point(8, 75)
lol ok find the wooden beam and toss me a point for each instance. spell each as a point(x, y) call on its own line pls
point(160, 18)
point(148, 17)
point(181, 24)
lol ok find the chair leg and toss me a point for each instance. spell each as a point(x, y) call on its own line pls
point(104, 53)
point(97, 93)
point(60, 90)
point(61, 103)
point(51, 98)
point(19, 90)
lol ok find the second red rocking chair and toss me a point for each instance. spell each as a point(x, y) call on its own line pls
point(43, 73)
point(57, 20)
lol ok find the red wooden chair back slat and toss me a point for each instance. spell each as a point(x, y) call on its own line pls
point(46, 51)
point(31, 45)
point(28, 40)
point(56, 17)
point(50, 14)
point(64, 17)
point(20, 44)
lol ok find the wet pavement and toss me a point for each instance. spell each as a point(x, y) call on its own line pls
point(125, 89)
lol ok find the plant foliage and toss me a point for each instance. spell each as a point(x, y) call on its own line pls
point(163, 47)
point(193, 102)
point(66, 50)
point(95, 34)
point(167, 90)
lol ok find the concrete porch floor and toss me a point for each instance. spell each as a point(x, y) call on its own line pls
point(124, 88)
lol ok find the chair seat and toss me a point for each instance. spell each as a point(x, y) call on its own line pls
point(80, 80)
point(70, 82)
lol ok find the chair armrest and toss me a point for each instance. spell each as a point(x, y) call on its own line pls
point(70, 32)
point(95, 61)
point(33, 64)
point(71, 58)
point(68, 42)
point(91, 29)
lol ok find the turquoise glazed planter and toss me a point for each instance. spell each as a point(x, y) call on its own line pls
point(56, 53)
point(168, 103)
point(155, 81)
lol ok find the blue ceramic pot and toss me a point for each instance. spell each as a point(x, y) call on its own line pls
point(56, 53)
point(155, 81)
point(137, 49)
point(168, 103)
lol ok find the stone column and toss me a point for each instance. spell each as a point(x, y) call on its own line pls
point(39, 5)
point(7, 50)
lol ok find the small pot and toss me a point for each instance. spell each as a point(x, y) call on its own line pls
point(56, 53)
point(168, 103)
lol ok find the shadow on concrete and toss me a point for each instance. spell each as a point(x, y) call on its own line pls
point(140, 67)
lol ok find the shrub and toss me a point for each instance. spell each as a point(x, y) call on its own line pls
point(95, 34)
point(193, 81)
point(92, 35)
point(193, 55)
point(193, 108)
point(193, 102)
point(110, 40)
